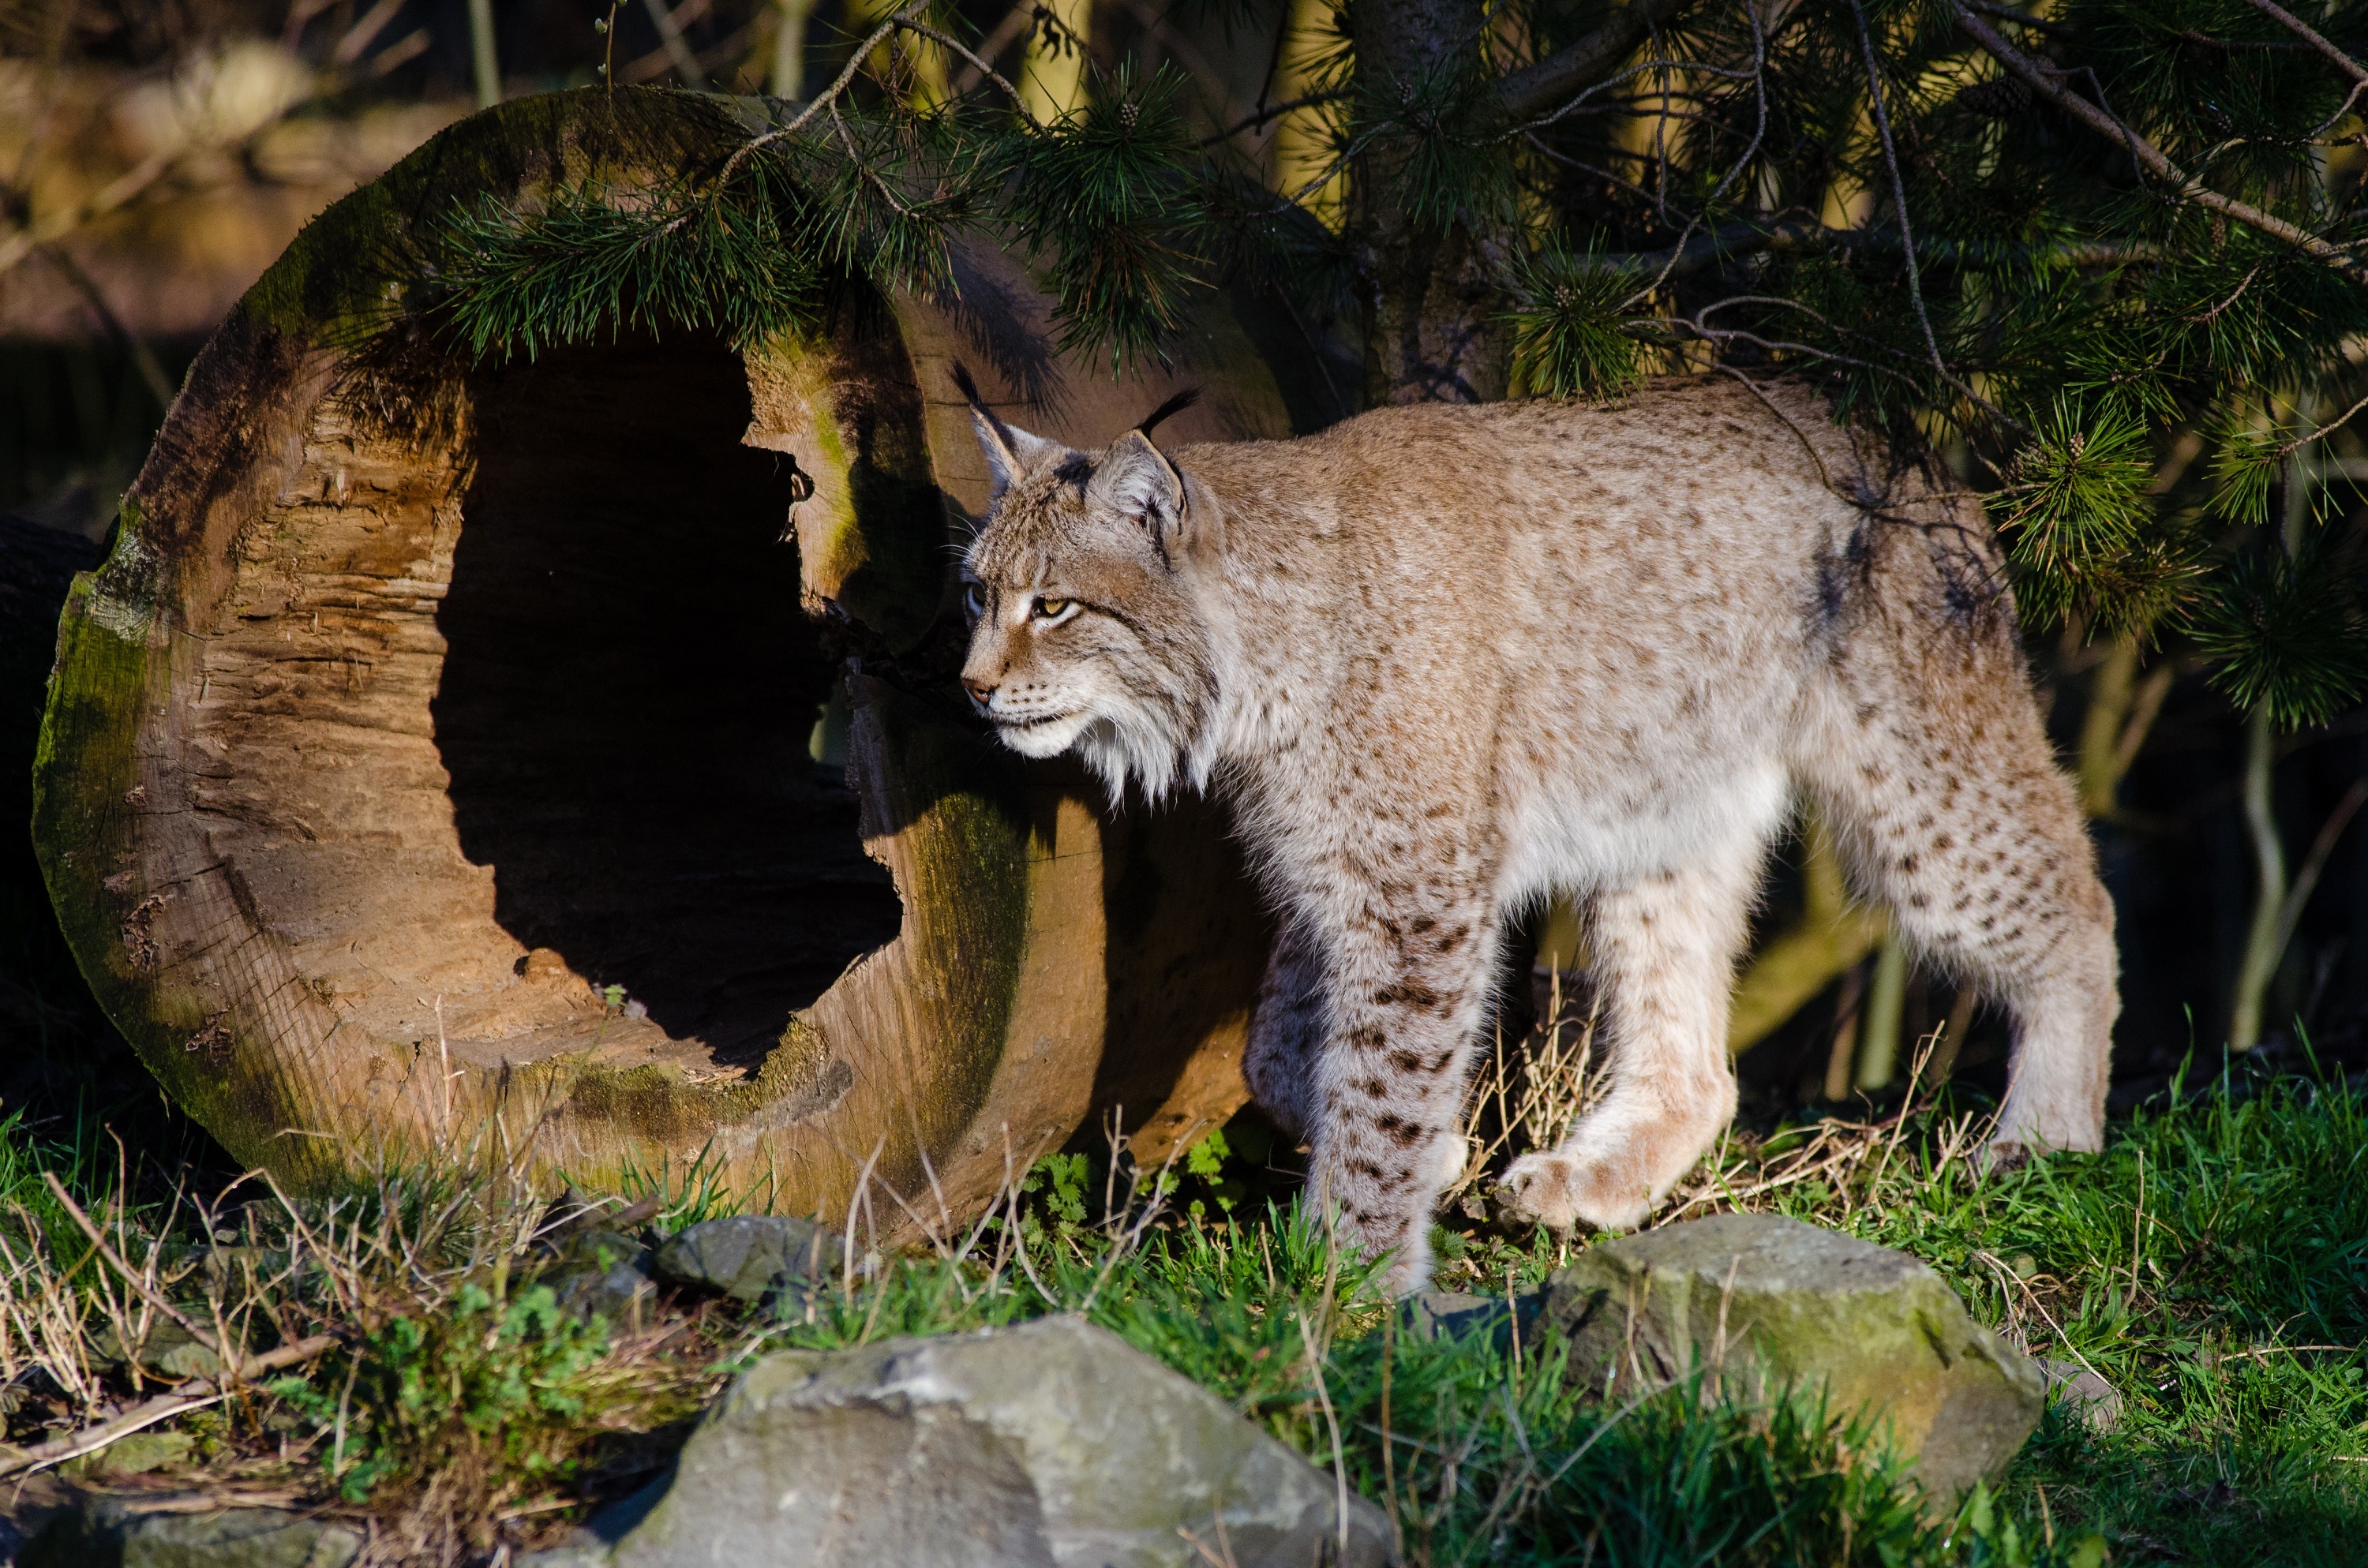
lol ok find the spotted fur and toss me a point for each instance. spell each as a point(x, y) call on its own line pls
point(1449, 661)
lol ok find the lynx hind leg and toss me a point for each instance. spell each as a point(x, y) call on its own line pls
point(1665, 951)
point(1287, 1030)
point(1954, 814)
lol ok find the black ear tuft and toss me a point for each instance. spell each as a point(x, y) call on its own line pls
point(1176, 404)
point(967, 387)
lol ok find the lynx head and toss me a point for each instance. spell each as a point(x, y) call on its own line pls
point(1083, 635)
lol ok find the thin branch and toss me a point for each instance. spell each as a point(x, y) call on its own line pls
point(1534, 89)
point(2007, 13)
point(184, 1396)
point(828, 95)
point(1660, 93)
point(1747, 237)
point(1252, 121)
point(1898, 190)
point(985, 71)
point(2306, 880)
point(2332, 120)
point(2329, 429)
point(678, 51)
point(1016, 23)
point(143, 358)
point(129, 1276)
point(2310, 36)
point(1759, 133)
point(2147, 155)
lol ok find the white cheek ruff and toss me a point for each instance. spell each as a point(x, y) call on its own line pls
point(1133, 745)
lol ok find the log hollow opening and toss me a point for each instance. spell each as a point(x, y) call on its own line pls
point(629, 693)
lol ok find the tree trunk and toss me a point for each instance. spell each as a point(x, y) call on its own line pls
point(432, 765)
point(1430, 332)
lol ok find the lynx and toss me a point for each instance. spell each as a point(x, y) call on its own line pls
point(1447, 662)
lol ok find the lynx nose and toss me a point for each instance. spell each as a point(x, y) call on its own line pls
point(980, 690)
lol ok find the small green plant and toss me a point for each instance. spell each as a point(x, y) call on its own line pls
point(1207, 1160)
point(497, 1389)
point(1057, 1184)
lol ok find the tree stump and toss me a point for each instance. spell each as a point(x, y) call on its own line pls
point(431, 768)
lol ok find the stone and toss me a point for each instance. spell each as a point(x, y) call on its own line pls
point(1453, 1314)
point(169, 1351)
point(606, 1274)
point(139, 1453)
point(154, 1533)
point(1763, 1304)
point(748, 1256)
point(1051, 1443)
point(2095, 1403)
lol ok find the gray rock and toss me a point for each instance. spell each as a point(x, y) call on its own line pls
point(137, 1454)
point(606, 1274)
point(2095, 1402)
point(1052, 1443)
point(119, 1533)
point(748, 1256)
point(1762, 1303)
point(1452, 1314)
point(169, 1351)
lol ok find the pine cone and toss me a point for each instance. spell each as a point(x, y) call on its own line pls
point(1999, 98)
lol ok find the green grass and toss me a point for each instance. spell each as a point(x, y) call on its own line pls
point(2212, 1264)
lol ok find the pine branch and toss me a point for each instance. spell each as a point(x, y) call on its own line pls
point(2147, 155)
point(1533, 90)
point(1745, 237)
point(2310, 36)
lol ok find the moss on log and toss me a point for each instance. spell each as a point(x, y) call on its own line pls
point(427, 770)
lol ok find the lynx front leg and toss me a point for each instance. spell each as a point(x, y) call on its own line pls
point(1404, 994)
point(1665, 954)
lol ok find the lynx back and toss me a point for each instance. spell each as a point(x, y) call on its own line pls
point(1446, 662)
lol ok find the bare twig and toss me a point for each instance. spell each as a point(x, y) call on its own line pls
point(129, 1277)
point(186, 1396)
point(143, 358)
point(2306, 880)
point(827, 96)
point(1015, 24)
point(1898, 187)
point(1252, 121)
point(977, 62)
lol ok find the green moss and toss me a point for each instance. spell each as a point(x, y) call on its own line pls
point(881, 555)
point(86, 794)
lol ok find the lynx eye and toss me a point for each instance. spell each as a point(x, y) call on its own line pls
point(1055, 610)
point(974, 600)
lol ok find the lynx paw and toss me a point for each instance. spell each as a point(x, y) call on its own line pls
point(1557, 1190)
point(2001, 1155)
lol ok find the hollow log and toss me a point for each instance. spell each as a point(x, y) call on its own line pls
point(446, 761)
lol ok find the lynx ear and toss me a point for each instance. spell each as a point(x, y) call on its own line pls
point(1137, 481)
point(1007, 449)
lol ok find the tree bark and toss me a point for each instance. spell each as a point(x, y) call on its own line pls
point(1431, 296)
point(425, 773)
